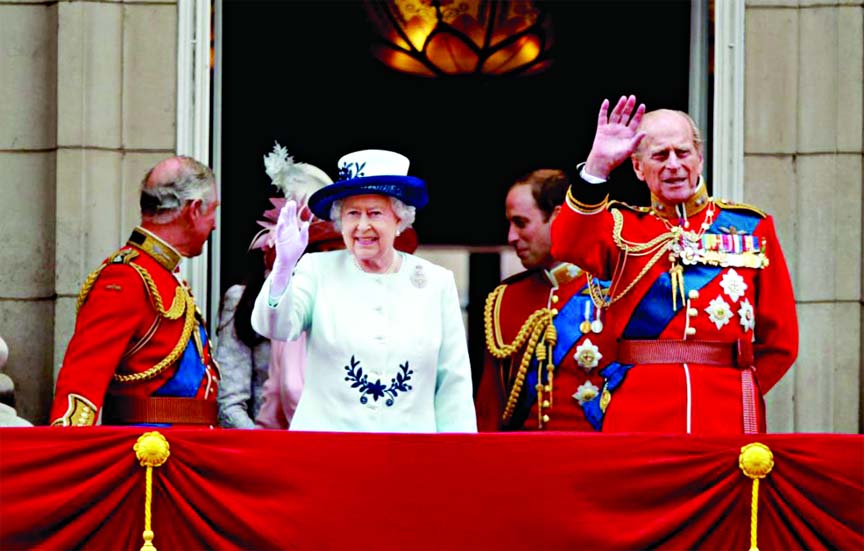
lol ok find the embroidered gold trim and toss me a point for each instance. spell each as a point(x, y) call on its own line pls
point(732, 205)
point(80, 412)
point(161, 251)
point(562, 274)
point(695, 204)
point(587, 208)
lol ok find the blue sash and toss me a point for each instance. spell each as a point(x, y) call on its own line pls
point(654, 312)
point(187, 379)
point(567, 326)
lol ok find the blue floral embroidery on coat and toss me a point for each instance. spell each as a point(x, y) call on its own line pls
point(360, 381)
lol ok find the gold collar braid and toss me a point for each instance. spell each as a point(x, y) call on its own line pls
point(695, 204)
point(540, 333)
point(161, 251)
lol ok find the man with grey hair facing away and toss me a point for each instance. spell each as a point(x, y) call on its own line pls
point(140, 353)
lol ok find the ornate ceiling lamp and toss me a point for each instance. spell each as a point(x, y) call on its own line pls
point(437, 38)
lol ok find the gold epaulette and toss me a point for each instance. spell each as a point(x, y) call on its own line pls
point(126, 256)
point(621, 204)
point(732, 205)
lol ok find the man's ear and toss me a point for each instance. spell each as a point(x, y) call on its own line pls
point(193, 210)
point(637, 166)
point(555, 212)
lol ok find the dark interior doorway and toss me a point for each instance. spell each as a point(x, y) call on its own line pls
point(301, 73)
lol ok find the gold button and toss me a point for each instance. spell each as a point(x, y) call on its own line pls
point(693, 294)
point(554, 311)
point(691, 330)
point(554, 299)
point(545, 418)
point(692, 312)
point(545, 403)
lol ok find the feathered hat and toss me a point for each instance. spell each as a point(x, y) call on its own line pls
point(371, 171)
point(296, 181)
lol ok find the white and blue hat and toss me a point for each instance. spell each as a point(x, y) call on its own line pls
point(371, 171)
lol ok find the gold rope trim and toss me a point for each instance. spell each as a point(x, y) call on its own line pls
point(125, 257)
point(755, 461)
point(176, 309)
point(182, 302)
point(188, 326)
point(657, 246)
point(120, 257)
point(541, 335)
point(88, 284)
point(151, 450)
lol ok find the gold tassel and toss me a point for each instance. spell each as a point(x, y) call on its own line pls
point(540, 354)
point(551, 337)
point(755, 461)
point(152, 450)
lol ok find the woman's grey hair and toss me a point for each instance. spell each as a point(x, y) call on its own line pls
point(162, 201)
point(405, 213)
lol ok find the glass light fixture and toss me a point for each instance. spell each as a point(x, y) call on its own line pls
point(437, 38)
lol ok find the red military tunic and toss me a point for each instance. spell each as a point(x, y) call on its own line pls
point(138, 336)
point(556, 295)
point(703, 288)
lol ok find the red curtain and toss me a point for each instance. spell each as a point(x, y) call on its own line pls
point(233, 489)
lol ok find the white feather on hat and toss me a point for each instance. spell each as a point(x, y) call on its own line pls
point(296, 181)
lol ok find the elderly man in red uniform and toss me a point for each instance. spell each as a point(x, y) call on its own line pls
point(541, 362)
point(140, 353)
point(701, 303)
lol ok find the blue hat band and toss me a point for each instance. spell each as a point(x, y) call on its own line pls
point(408, 189)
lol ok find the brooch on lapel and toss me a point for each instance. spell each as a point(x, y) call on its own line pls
point(418, 278)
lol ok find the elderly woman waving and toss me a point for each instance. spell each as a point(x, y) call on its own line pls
point(386, 343)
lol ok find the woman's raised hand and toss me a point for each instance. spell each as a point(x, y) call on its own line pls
point(292, 236)
point(617, 136)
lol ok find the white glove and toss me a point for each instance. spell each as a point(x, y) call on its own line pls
point(292, 236)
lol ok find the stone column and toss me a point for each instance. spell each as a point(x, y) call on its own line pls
point(89, 104)
point(28, 121)
point(803, 163)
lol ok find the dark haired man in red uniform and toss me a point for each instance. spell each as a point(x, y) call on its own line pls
point(140, 353)
point(540, 362)
point(701, 311)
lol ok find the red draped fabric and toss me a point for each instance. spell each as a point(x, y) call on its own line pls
point(233, 489)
